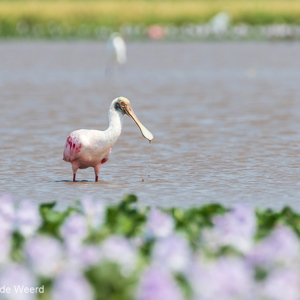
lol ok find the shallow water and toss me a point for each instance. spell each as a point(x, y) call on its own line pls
point(225, 117)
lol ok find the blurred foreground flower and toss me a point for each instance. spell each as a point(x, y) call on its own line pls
point(83, 256)
point(71, 285)
point(74, 230)
point(44, 255)
point(236, 228)
point(223, 279)
point(281, 284)
point(28, 219)
point(94, 212)
point(172, 252)
point(158, 224)
point(149, 259)
point(7, 215)
point(17, 277)
point(158, 284)
point(121, 251)
point(281, 248)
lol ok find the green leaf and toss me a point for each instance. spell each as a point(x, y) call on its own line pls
point(110, 284)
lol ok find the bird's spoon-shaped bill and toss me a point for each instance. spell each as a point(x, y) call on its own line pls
point(145, 132)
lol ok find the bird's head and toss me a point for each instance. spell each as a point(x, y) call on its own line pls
point(122, 105)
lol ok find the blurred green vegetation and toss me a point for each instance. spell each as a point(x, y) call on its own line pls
point(43, 17)
point(128, 219)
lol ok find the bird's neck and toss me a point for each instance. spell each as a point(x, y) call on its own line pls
point(115, 125)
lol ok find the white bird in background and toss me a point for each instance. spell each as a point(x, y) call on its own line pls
point(91, 148)
point(115, 50)
point(220, 23)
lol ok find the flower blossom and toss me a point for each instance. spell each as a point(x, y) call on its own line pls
point(158, 224)
point(158, 284)
point(74, 230)
point(236, 228)
point(119, 250)
point(28, 219)
point(281, 284)
point(17, 277)
point(172, 252)
point(223, 279)
point(44, 255)
point(71, 285)
point(281, 247)
point(94, 212)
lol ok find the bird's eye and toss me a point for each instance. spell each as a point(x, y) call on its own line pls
point(122, 103)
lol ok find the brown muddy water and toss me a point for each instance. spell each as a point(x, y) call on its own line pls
point(225, 117)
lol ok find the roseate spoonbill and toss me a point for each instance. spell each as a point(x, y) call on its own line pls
point(91, 148)
point(115, 50)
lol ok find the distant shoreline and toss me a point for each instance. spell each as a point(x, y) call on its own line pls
point(78, 18)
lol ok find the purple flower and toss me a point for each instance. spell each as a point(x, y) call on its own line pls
point(94, 212)
point(28, 219)
point(280, 248)
point(90, 255)
point(74, 230)
point(44, 254)
point(5, 248)
point(172, 252)
point(71, 285)
point(158, 284)
point(16, 277)
point(224, 279)
point(83, 256)
point(236, 229)
point(7, 212)
point(158, 224)
point(119, 250)
point(7, 215)
point(282, 284)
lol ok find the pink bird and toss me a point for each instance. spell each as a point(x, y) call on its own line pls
point(91, 148)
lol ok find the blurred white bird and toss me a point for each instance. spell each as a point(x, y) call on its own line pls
point(115, 50)
point(220, 23)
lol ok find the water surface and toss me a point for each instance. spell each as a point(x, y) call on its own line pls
point(225, 117)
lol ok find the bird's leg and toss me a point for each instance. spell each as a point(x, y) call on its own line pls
point(74, 168)
point(97, 171)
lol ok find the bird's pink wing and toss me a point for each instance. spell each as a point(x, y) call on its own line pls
point(72, 148)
